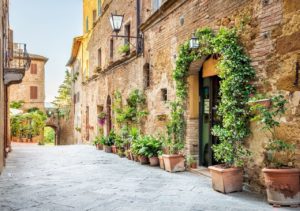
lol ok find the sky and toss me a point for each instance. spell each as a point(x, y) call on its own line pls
point(48, 28)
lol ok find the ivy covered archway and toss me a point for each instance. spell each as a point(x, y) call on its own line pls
point(236, 74)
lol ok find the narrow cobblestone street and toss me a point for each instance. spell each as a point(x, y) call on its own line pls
point(82, 178)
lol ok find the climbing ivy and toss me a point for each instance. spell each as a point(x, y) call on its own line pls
point(236, 73)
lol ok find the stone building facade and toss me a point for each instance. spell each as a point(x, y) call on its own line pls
point(32, 88)
point(270, 36)
point(3, 50)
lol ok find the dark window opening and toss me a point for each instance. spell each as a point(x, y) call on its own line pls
point(164, 95)
point(127, 38)
point(99, 58)
point(111, 49)
point(94, 16)
point(147, 77)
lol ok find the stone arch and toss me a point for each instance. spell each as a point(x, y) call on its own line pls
point(56, 129)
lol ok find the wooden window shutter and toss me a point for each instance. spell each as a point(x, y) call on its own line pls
point(33, 69)
point(33, 92)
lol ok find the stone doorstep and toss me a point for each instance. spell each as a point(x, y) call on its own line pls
point(201, 171)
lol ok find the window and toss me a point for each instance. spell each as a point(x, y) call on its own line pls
point(127, 36)
point(94, 16)
point(147, 75)
point(164, 95)
point(111, 49)
point(87, 24)
point(99, 7)
point(33, 92)
point(156, 4)
point(33, 69)
point(99, 57)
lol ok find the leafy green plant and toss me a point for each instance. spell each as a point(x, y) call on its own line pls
point(147, 146)
point(28, 125)
point(278, 153)
point(190, 160)
point(49, 135)
point(235, 70)
point(16, 104)
point(124, 49)
point(97, 140)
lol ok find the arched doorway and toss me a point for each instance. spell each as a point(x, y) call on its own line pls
point(53, 128)
point(108, 116)
point(50, 135)
point(204, 86)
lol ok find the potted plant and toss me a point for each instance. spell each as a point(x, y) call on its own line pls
point(281, 176)
point(153, 148)
point(139, 149)
point(174, 143)
point(124, 49)
point(112, 137)
point(101, 118)
point(107, 144)
point(97, 143)
point(161, 160)
point(191, 162)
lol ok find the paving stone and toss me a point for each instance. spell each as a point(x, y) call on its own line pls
point(82, 178)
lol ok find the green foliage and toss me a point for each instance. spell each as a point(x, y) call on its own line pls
point(190, 160)
point(124, 49)
point(34, 109)
point(63, 101)
point(278, 153)
point(97, 140)
point(16, 104)
point(28, 125)
point(236, 74)
point(146, 146)
point(49, 135)
point(101, 115)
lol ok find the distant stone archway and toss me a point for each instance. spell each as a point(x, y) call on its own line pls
point(51, 122)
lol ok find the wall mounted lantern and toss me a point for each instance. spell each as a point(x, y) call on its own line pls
point(116, 22)
point(194, 42)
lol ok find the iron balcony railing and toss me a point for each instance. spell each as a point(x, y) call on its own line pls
point(16, 63)
point(20, 57)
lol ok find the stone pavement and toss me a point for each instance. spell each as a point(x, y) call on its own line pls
point(82, 178)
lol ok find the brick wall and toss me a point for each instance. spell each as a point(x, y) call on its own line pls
point(270, 37)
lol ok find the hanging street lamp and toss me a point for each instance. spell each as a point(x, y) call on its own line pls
point(194, 42)
point(116, 22)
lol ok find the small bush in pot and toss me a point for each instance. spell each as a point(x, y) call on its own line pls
point(191, 162)
point(97, 143)
point(107, 143)
point(152, 148)
point(281, 176)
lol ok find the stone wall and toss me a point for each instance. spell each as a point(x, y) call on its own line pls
point(4, 17)
point(270, 36)
point(22, 91)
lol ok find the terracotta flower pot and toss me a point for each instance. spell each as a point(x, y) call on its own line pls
point(114, 149)
point(226, 180)
point(193, 165)
point(136, 158)
point(143, 160)
point(161, 162)
point(154, 161)
point(107, 149)
point(283, 186)
point(99, 146)
point(174, 163)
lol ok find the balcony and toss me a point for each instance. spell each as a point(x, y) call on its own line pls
point(17, 62)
